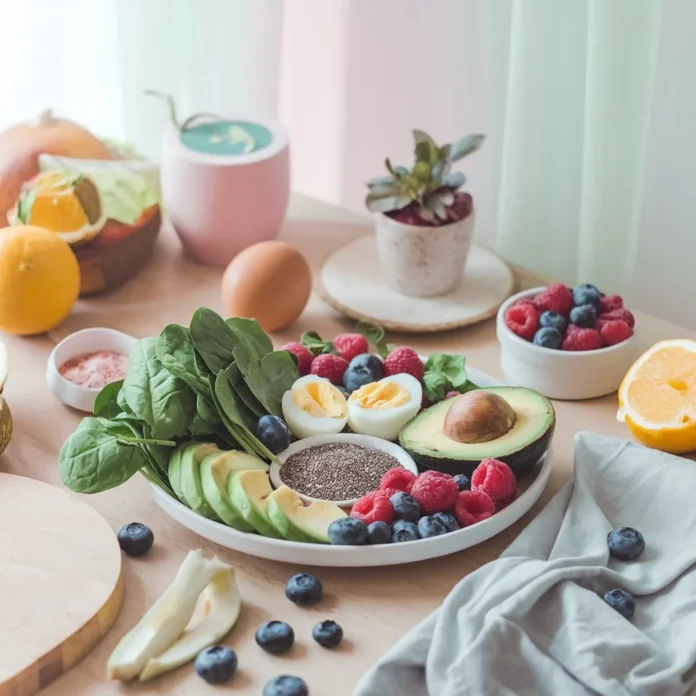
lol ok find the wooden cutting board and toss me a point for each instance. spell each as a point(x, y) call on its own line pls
point(60, 583)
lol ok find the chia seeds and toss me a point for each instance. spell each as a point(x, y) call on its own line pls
point(336, 471)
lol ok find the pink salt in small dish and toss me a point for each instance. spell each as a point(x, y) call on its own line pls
point(86, 361)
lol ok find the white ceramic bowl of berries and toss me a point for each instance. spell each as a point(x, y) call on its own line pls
point(567, 343)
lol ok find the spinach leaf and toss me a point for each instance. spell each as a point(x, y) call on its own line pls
point(436, 386)
point(231, 404)
point(106, 403)
point(176, 353)
point(240, 386)
point(251, 330)
point(213, 339)
point(452, 367)
point(270, 378)
point(164, 402)
point(93, 459)
point(199, 427)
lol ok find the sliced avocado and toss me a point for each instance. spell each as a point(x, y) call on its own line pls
point(215, 470)
point(297, 522)
point(174, 472)
point(190, 478)
point(520, 447)
point(249, 491)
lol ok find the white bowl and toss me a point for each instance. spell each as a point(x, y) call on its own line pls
point(79, 343)
point(560, 374)
point(365, 440)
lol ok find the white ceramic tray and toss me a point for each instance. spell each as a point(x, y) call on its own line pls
point(364, 556)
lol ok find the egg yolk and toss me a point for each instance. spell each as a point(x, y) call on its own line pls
point(321, 400)
point(384, 394)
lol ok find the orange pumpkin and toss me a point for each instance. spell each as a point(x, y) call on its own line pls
point(21, 145)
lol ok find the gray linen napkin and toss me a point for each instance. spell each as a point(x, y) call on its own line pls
point(533, 622)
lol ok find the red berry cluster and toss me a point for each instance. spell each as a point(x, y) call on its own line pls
point(563, 318)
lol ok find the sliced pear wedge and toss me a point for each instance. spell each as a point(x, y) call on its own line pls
point(222, 605)
point(166, 620)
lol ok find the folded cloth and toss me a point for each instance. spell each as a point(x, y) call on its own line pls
point(533, 622)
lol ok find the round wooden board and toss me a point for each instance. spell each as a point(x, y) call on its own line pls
point(353, 283)
point(60, 583)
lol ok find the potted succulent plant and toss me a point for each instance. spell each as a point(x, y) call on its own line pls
point(425, 223)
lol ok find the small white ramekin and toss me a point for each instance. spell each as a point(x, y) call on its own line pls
point(561, 374)
point(79, 343)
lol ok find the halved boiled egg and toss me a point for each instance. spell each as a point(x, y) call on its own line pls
point(382, 408)
point(314, 406)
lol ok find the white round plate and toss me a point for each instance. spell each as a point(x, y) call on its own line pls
point(353, 283)
point(364, 556)
point(401, 455)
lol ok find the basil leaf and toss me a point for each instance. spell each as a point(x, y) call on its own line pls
point(376, 336)
point(315, 343)
point(436, 386)
point(106, 404)
point(176, 353)
point(452, 367)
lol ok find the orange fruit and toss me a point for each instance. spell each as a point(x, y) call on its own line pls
point(657, 398)
point(39, 280)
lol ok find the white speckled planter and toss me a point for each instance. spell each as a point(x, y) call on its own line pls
point(423, 261)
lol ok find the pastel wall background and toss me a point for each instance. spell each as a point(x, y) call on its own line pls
point(588, 107)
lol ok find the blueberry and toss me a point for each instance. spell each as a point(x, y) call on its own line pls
point(548, 338)
point(622, 601)
point(328, 634)
point(583, 316)
point(463, 482)
point(363, 369)
point(274, 433)
point(135, 539)
point(448, 519)
point(275, 637)
point(347, 532)
point(304, 589)
point(405, 507)
point(402, 530)
point(285, 685)
point(553, 320)
point(431, 526)
point(625, 543)
point(587, 294)
point(216, 664)
point(378, 533)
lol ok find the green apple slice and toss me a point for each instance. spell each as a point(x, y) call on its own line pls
point(215, 471)
point(297, 522)
point(190, 478)
point(166, 620)
point(222, 605)
point(249, 491)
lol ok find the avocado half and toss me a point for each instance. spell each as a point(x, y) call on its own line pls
point(520, 448)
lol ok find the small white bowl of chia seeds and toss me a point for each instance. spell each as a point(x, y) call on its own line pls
point(337, 468)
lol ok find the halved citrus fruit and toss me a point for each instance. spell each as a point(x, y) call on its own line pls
point(657, 398)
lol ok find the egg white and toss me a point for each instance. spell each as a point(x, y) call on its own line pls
point(301, 423)
point(387, 422)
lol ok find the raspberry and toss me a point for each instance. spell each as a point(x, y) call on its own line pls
point(350, 345)
point(397, 479)
point(620, 314)
point(329, 366)
point(615, 331)
point(523, 320)
point(497, 480)
point(582, 339)
point(304, 357)
point(434, 492)
point(609, 303)
point(373, 507)
point(404, 360)
point(556, 298)
point(472, 507)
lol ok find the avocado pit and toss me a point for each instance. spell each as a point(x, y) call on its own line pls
point(477, 417)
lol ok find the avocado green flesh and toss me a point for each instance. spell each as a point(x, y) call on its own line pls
point(249, 492)
point(521, 447)
point(174, 473)
point(297, 522)
point(190, 479)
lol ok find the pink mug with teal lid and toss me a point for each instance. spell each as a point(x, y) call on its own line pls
point(225, 183)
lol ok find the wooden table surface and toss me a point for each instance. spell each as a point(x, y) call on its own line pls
point(375, 606)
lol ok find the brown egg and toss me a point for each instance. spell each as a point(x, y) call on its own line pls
point(270, 282)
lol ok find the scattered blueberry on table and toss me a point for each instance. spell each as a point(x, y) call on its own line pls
point(625, 543)
point(328, 634)
point(622, 601)
point(135, 539)
point(216, 664)
point(348, 532)
point(405, 507)
point(286, 685)
point(275, 637)
point(378, 533)
point(273, 433)
point(304, 589)
point(403, 530)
